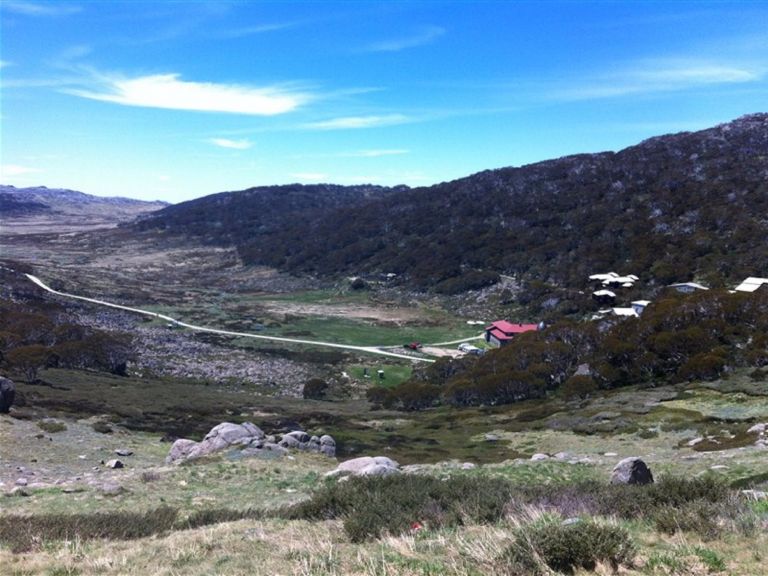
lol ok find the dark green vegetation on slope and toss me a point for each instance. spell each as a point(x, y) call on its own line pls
point(673, 208)
point(678, 338)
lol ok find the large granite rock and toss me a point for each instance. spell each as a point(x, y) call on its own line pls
point(366, 466)
point(7, 394)
point(219, 438)
point(631, 471)
point(253, 441)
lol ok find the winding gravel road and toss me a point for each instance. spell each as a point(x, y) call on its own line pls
point(364, 349)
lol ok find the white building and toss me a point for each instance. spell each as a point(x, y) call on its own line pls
point(751, 284)
point(687, 287)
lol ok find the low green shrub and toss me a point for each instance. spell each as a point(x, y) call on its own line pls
point(373, 506)
point(218, 515)
point(554, 545)
point(23, 533)
point(51, 426)
point(101, 427)
point(700, 517)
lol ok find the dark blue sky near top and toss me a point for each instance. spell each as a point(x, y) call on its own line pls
point(176, 100)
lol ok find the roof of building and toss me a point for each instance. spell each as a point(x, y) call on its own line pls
point(641, 303)
point(603, 276)
point(751, 284)
point(689, 284)
point(604, 293)
point(508, 328)
point(624, 312)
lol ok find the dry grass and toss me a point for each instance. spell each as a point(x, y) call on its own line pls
point(276, 548)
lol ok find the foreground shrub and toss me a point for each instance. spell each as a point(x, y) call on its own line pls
point(51, 426)
point(24, 533)
point(373, 506)
point(566, 546)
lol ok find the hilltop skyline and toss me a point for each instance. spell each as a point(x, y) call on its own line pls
point(174, 101)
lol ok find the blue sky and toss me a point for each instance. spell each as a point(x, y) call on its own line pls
point(176, 100)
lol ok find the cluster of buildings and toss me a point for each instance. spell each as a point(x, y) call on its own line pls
point(502, 332)
point(611, 279)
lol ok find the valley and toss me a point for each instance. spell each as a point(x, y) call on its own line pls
point(134, 335)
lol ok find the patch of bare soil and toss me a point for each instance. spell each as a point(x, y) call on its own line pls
point(395, 315)
point(441, 352)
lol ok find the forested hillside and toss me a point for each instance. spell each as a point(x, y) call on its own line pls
point(673, 208)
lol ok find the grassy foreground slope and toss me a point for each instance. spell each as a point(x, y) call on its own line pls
point(232, 515)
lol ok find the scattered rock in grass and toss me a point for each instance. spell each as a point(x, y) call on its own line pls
point(539, 456)
point(758, 429)
point(563, 456)
point(468, 466)
point(492, 438)
point(610, 454)
point(114, 463)
point(366, 466)
point(111, 489)
point(17, 491)
point(631, 471)
point(72, 490)
point(21, 482)
point(7, 394)
point(124, 452)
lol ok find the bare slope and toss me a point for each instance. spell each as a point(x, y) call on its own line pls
point(41, 209)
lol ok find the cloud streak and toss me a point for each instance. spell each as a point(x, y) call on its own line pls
point(168, 91)
point(40, 9)
point(12, 170)
point(232, 144)
point(661, 76)
point(357, 122)
point(426, 35)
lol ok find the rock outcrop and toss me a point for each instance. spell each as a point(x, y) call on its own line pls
point(366, 466)
point(251, 439)
point(7, 394)
point(631, 471)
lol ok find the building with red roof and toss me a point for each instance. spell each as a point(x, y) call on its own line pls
point(502, 332)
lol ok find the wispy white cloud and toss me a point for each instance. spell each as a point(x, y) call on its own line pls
point(170, 92)
point(660, 76)
point(425, 35)
point(354, 122)
point(4, 63)
point(40, 8)
point(13, 170)
point(252, 30)
point(233, 144)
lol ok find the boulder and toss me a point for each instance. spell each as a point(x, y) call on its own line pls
point(366, 466)
point(537, 457)
point(180, 449)
point(758, 428)
point(300, 436)
point(124, 452)
point(7, 394)
point(288, 441)
point(631, 471)
point(327, 445)
point(114, 463)
point(219, 438)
